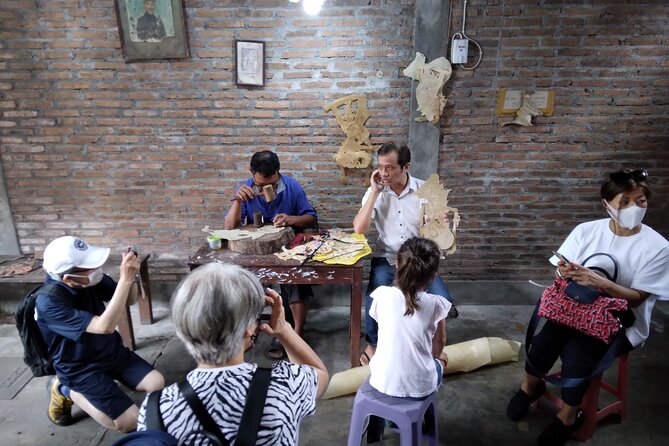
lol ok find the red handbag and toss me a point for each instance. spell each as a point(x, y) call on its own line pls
point(595, 319)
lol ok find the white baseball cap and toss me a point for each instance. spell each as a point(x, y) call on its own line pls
point(69, 252)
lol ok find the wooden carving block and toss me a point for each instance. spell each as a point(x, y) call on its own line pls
point(268, 243)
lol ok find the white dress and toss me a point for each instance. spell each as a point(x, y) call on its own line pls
point(403, 364)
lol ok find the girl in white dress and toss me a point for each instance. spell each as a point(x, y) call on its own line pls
point(409, 359)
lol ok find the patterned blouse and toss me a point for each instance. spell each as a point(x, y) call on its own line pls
point(291, 396)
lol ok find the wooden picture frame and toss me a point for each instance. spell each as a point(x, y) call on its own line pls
point(152, 29)
point(250, 63)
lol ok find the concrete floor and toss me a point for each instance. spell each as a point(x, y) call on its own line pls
point(471, 407)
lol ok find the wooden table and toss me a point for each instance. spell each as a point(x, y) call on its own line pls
point(270, 269)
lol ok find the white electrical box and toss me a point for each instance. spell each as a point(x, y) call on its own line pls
point(459, 49)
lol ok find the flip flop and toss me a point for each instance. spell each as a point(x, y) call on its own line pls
point(276, 350)
point(366, 356)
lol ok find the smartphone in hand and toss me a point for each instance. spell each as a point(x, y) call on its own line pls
point(561, 257)
point(133, 250)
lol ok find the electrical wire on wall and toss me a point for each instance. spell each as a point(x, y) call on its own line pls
point(460, 43)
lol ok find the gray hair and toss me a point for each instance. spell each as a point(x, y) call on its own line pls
point(211, 309)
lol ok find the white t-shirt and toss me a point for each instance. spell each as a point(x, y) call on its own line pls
point(643, 262)
point(290, 397)
point(403, 364)
point(397, 218)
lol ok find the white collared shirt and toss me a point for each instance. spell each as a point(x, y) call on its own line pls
point(397, 218)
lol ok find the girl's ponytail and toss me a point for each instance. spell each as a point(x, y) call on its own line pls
point(417, 265)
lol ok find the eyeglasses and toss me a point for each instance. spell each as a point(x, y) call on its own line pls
point(260, 186)
point(623, 176)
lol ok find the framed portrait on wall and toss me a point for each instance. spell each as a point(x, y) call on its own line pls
point(250, 66)
point(152, 29)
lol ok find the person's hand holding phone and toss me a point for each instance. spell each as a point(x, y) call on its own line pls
point(564, 265)
point(277, 320)
point(129, 265)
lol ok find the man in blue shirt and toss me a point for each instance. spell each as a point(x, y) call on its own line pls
point(289, 207)
point(80, 332)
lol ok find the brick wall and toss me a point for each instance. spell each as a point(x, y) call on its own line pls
point(522, 189)
point(149, 153)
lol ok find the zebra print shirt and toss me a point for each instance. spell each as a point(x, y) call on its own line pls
point(291, 396)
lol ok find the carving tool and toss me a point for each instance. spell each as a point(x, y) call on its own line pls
point(311, 256)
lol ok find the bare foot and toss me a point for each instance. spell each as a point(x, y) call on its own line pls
point(367, 354)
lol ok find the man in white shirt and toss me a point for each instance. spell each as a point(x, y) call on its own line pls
point(391, 203)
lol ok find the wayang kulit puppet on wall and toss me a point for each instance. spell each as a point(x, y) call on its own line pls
point(431, 78)
point(351, 114)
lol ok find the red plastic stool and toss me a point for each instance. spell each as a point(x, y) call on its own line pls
point(590, 405)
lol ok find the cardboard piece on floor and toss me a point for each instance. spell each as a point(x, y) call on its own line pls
point(462, 357)
point(14, 375)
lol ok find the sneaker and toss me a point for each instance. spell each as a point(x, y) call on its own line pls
point(60, 407)
point(453, 312)
point(557, 434)
point(519, 404)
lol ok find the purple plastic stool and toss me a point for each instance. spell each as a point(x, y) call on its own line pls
point(406, 413)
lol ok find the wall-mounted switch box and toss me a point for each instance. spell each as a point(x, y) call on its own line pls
point(459, 49)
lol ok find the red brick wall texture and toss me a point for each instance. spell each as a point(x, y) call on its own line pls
point(148, 153)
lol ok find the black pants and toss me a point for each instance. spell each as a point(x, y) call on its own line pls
point(580, 355)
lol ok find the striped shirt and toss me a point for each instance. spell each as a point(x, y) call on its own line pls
point(291, 396)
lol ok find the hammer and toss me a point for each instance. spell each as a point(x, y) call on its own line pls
point(268, 192)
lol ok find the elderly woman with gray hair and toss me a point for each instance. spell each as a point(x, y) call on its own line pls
point(216, 312)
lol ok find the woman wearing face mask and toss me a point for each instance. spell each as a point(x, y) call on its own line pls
point(643, 260)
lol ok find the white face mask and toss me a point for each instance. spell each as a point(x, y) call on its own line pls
point(93, 278)
point(627, 218)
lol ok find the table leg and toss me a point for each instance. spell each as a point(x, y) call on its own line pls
point(125, 329)
point(354, 318)
point(145, 308)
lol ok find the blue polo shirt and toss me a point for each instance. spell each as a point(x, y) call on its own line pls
point(63, 325)
point(290, 200)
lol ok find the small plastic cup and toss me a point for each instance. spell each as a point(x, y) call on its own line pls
point(214, 241)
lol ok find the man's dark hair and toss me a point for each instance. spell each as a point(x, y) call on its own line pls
point(266, 163)
point(403, 152)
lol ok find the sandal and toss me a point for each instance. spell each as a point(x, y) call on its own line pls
point(364, 356)
point(276, 350)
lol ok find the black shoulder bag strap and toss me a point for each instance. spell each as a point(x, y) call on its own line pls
point(602, 270)
point(52, 289)
point(201, 413)
point(253, 409)
point(153, 419)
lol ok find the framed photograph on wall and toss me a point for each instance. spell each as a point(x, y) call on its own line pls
point(250, 67)
point(152, 29)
